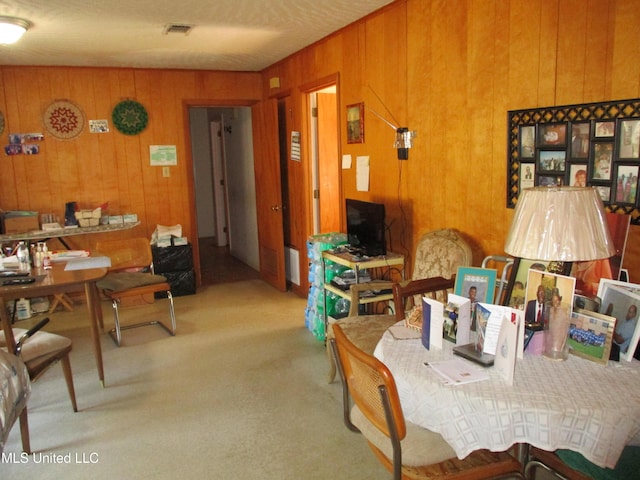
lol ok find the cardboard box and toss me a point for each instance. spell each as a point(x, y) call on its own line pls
point(20, 222)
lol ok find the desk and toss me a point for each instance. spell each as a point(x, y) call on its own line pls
point(575, 404)
point(54, 281)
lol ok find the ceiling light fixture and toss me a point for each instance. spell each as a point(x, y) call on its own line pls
point(11, 29)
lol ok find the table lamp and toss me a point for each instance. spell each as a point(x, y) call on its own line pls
point(559, 224)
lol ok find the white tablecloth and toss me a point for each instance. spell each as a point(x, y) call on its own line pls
point(576, 404)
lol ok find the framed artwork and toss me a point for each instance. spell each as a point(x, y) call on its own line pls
point(629, 139)
point(476, 284)
point(355, 123)
point(622, 301)
point(516, 288)
point(550, 145)
point(591, 335)
point(540, 291)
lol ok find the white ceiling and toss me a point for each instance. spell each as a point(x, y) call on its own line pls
point(239, 35)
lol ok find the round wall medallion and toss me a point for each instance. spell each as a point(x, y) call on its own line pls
point(130, 117)
point(63, 119)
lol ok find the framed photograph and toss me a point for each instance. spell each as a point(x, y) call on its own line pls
point(578, 175)
point(580, 139)
point(622, 302)
point(527, 141)
point(591, 335)
point(552, 160)
point(552, 134)
point(626, 185)
point(355, 123)
point(476, 284)
point(602, 158)
point(605, 193)
point(604, 129)
point(550, 181)
point(543, 292)
point(629, 142)
point(516, 288)
point(527, 175)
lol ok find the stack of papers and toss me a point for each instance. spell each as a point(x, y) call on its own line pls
point(457, 371)
point(65, 255)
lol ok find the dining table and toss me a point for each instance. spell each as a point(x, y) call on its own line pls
point(58, 279)
point(574, 404)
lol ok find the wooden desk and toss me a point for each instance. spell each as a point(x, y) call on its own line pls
point(55, 281)
point(575, 404)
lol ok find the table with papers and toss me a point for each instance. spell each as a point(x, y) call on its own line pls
point(574, 404)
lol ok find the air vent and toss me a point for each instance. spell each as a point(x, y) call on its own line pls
point(177, 28)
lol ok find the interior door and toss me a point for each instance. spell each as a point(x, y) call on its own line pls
point(330, 205)
point(268, 192)
point(219, 180)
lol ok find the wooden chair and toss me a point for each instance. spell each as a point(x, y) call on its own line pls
point(131, 275)
point(405, 449)
point(39, 351)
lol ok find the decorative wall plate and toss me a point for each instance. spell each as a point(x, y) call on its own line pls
point(130, 117)
point(63, 119)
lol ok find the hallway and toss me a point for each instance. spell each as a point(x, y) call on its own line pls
point(218, 266)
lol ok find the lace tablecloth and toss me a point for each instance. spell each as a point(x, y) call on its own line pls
point(575, 404)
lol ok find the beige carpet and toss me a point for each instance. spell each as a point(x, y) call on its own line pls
point(239, 393)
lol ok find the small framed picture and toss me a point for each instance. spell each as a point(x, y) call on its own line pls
point(527, 175)
point(626, 184)
point(552, 134)
point(629, 143)
point(545, 293)
point(355, 123)
point(602, 160)
point(550, 181)
point(591, 335)
point(527, 141)
point(622, 302)
point(578, 175)
point(605, 193)
point(552, 160)
point(476, 284)
point(516, 288)
point(604, 129)
point(580, 139)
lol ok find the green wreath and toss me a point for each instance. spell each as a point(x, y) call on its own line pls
point(130, 117)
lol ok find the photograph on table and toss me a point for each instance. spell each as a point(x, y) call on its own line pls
point(622, 301)
point(517, 284)
point(477, 284)
point(591, 335)
point(547, 295)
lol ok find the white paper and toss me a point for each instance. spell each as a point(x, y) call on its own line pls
point(506, 352)
point(457, 371)
point(85, 263)
point(362, 174)
point(436, 322)
point(346, 161)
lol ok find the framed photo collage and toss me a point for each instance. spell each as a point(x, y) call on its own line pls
point(579, 145)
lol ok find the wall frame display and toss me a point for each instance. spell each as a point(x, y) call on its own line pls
point(355, 123)
point(552, 144)
point(591, 335)
point(622, 301)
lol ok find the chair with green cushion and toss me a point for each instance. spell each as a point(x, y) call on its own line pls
point(131, 275)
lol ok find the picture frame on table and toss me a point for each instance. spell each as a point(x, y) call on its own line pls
point(355, 123)
point(476, 284)
point(591, 335)
point(516, 288)
point(621, 300)
point(551, 283)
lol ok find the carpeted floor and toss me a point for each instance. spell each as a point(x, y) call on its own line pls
point(239, 393)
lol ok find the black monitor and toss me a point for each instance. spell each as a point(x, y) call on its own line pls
point(366, 227)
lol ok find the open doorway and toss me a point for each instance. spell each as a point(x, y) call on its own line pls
point(224, 190)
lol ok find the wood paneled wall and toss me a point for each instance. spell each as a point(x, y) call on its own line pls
point(112, 168)
point(451, 70)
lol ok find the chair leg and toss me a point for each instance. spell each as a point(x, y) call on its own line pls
point(24, 430)
point(116, 333)
point(68, 377)
point(116, 317)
